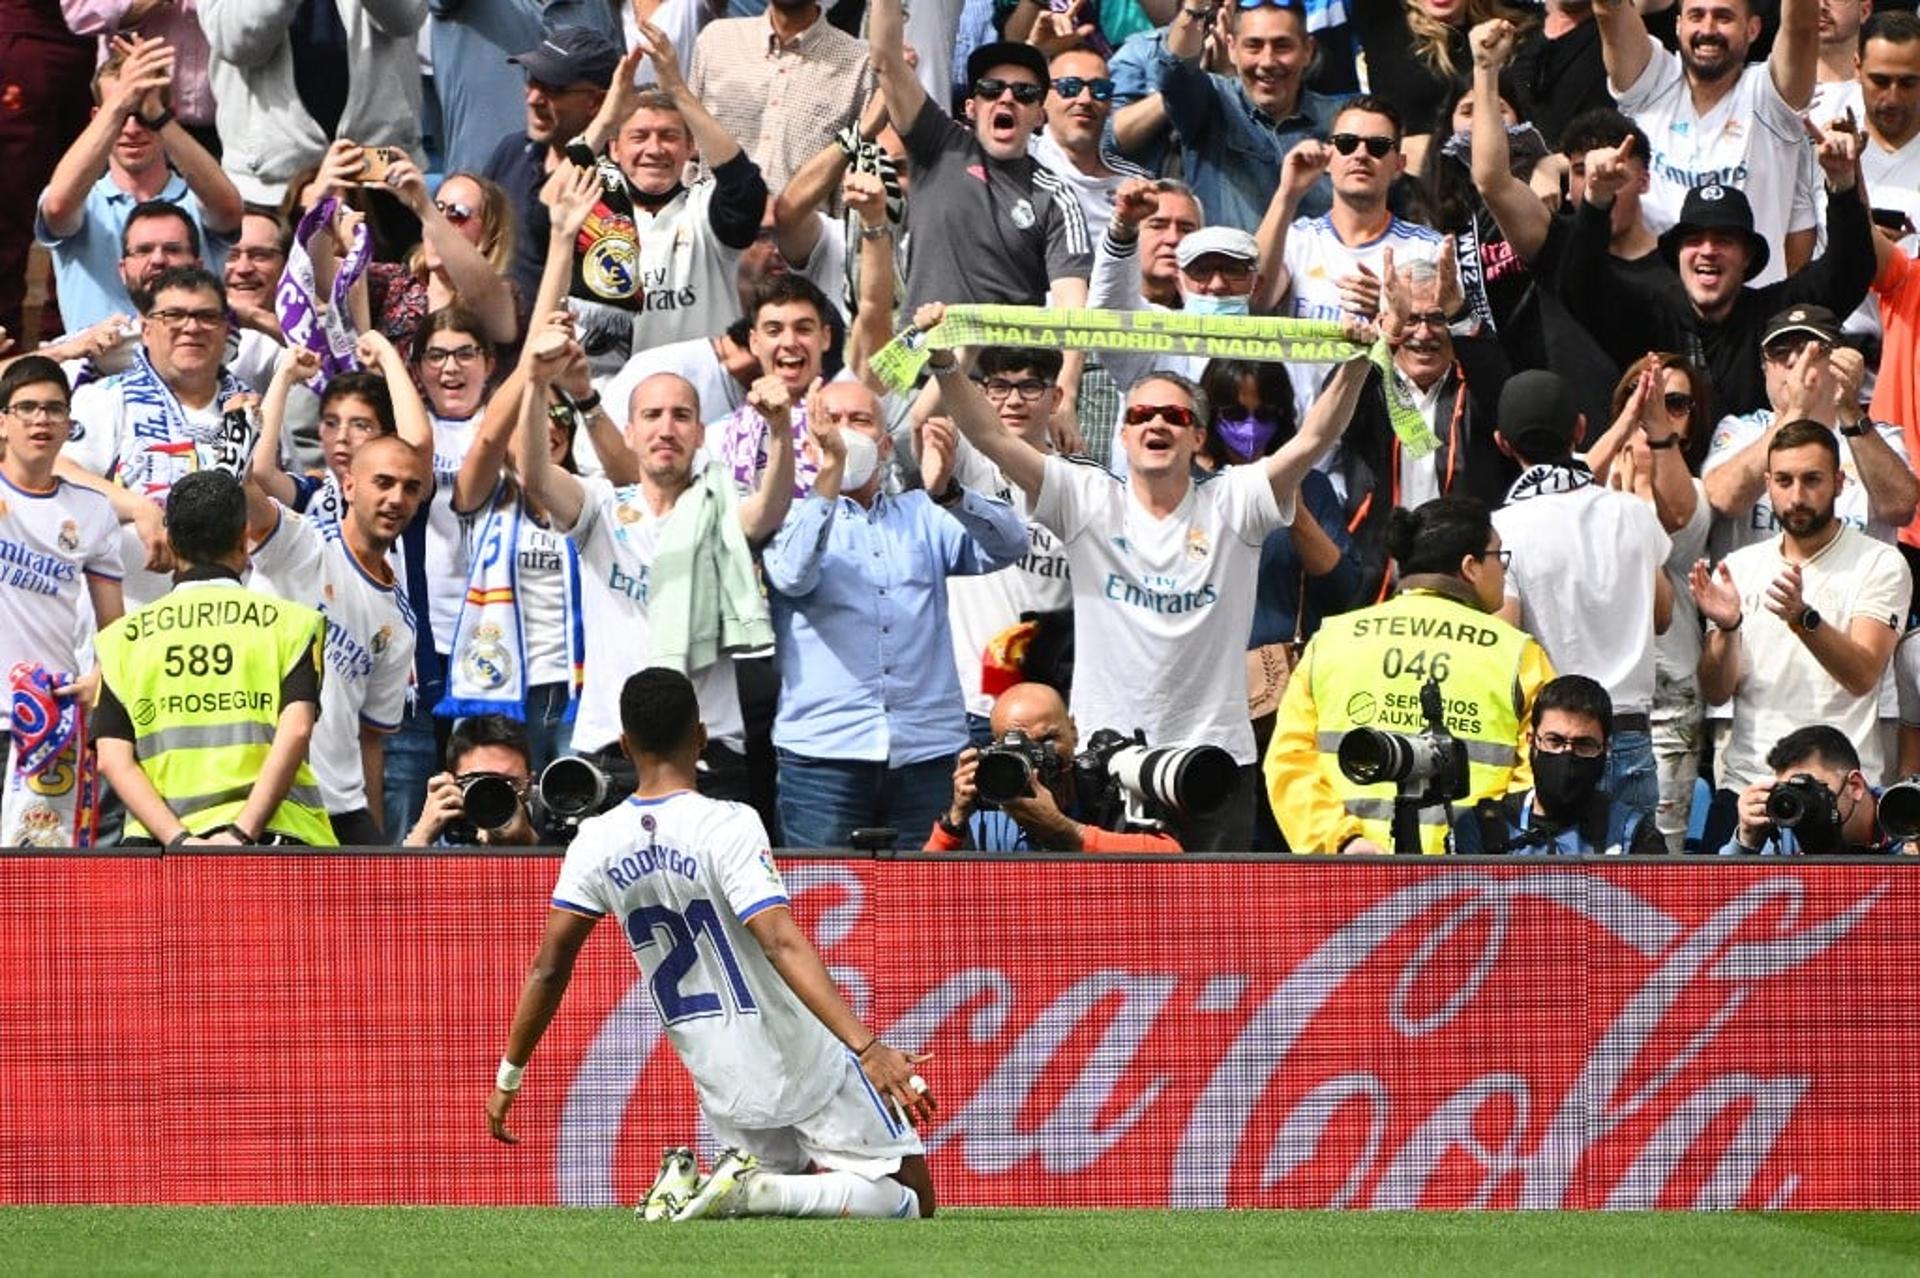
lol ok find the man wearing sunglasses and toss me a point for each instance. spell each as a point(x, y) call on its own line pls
point(1329, 267)
point(1163, 569)
point(1235, 133)
point(990, 222)
point(1079, 100)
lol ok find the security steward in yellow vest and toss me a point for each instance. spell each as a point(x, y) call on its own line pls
point(1366, 669)
point(208, 697)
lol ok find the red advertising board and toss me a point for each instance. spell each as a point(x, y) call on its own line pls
point(1439, 1034)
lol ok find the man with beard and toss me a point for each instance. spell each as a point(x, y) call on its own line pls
point(1079, 100)
point(1835, 85)
point(1715, 120)
point(1845, 819)
point(133, 152)
point(990, 223)
point(370, 629)
point(1716, 316)
point(1800, 628)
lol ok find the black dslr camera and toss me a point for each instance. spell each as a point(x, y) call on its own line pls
point(488, 801)
point(1007, 768)
point(1804, 805)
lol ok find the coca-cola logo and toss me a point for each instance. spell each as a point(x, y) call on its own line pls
point(1400, 1062)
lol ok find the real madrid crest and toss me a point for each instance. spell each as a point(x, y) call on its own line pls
point(69, 536)
point(1198, 546)
point(1022, 214)
point(610, 267)
point(486, 661)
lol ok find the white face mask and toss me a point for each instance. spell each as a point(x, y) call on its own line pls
point(863, 458)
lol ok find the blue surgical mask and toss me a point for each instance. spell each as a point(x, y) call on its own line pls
point(1207, 304)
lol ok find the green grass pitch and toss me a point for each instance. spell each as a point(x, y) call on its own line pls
point(296, 1240)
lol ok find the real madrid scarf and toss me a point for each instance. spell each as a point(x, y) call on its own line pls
point(487, 673)
point(1268, 339)
point(329, 334)
point(167, 444)
point(52, 793)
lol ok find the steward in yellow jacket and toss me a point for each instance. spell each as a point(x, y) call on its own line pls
point(1366, 669)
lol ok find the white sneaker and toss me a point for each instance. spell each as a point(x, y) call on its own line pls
point(679, 1177)
point(723, 1193)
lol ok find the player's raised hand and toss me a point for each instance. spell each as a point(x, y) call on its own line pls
point(895, 1075)
point(497, 1106)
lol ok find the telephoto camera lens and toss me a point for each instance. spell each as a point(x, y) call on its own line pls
point(572, 787)
point(1368, 756)
point(489, 800)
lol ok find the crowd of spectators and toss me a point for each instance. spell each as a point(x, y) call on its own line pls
point(543, 336)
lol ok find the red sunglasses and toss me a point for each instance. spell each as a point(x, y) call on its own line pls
point(1172, 414)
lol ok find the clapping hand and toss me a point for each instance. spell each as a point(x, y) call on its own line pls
point(1715, 594)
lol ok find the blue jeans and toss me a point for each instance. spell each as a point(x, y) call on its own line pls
point(823, 801)
point(548, 731)
point(413, 757)
point(1632, 778)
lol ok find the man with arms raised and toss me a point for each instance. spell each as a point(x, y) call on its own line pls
point(787, 1075)
point(621, 533)
point(1162, 569)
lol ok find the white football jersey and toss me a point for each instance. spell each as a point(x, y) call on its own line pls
point(1750, 139)
point(1318, 259)
point(369, 651)
point(446, 555)
point(618, 536)
point(681, 875)
point(50, 543)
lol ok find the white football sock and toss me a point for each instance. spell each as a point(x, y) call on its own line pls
point(831, 1194)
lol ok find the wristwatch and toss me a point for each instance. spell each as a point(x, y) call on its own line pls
point(1810, 620)
point(1671, 441)
point(951, 494)
point(1856, 430)
point(156, 123)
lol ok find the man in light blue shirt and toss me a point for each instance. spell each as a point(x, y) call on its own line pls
point(1234, 133)
point(871, 714)
point(133, 153)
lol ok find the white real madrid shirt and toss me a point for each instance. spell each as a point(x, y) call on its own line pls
point(617, 537)
point(1162, 607)
point(680, 875)
point(369, 649)
point(1750, 139)
point(50, 542)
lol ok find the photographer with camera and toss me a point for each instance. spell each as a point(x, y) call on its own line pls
point(482, 796)
point(1368, 670)
point(1032, 757)
point(1819, 801)
point(1568, 812)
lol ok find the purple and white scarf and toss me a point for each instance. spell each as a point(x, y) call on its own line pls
point(329, 333)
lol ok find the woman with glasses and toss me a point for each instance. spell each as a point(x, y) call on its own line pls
point(1308, 570)
point(1661, 421)
point(466, 246)
point(1366, 669)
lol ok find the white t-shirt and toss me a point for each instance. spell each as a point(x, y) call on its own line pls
point(147, 450)
point(617, 536)
point(1751, 139)
point(1782, 684)
point(1162, 607)
point(369, 648)
point(1094, 193)
point(49, 543)
point(1317, 259)
point(1583, 568)
point(1676, 654)
point(681, 875)
point(979, 608)
point(1850, 504)
point(541, 555)
point(446, 556)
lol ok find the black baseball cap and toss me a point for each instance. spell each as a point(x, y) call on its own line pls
point(1817, 322)
point(567, 56)
point(1004, 53)
point(1716, 208)
point(1537, 405)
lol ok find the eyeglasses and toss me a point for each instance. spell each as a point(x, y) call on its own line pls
point(1678, 403)
point(356, 426)
point(440, 356)
point(178, 318)
point(1581, 747)
point(1376, 144)
point(172, 248)
point(256, 254)
point(1231, 269)
point(51, 410)
point(1504, 556)
point(1071, 86)
point(991, 87)
point(1177, 415)
point(1786, 350)
point(1027, 388)
point(1435, 320)
point(458, 214)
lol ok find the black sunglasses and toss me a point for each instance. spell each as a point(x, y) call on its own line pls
point(1069, 86)
point(1679, 402)
point(991, 87)
point(1377, 146)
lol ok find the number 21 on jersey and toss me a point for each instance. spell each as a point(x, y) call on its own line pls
point(682, 953)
